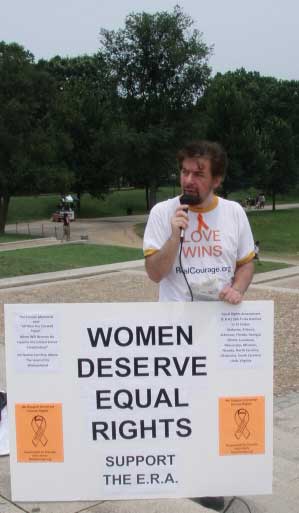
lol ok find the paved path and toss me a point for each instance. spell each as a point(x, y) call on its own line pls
point(104, 230)
point(279, 206)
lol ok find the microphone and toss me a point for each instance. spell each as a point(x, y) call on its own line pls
point(187, 199)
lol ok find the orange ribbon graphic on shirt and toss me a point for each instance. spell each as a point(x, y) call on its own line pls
point(201, 223)
point(39, 425)
point(242, 419)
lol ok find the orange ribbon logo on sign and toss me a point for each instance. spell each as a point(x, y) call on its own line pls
point(242, 419)
point(39, 425)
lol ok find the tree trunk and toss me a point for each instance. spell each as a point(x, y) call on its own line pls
point(273, 200)
point(4, 202)
point(152, 194)
point(147, 198)
point(79, 202)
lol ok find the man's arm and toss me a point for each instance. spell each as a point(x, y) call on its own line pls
point(243, 275)
point(159, 264)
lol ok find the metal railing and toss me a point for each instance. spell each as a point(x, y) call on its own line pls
point(36, 229)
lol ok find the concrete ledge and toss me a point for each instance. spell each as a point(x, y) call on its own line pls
point(288, 272)
point(69, 274)
point(265, 286)
point(38, 243)
point(27, 243)
point(83, 272)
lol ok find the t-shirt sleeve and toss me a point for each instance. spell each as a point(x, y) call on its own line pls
point(157, 231)
point(246, 243)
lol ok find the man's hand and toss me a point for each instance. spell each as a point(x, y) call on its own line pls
point(234, 293)
point(179, 220)
point(231, 295)
point(159, 264)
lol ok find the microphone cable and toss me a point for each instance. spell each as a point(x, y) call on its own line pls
point(186, 199)
point(182, 270)
point(191, 200)
point(236, 499)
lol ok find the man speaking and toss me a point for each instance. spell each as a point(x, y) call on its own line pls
point(199, 246)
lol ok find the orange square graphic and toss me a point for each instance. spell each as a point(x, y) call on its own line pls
point(39, 432)
point(241, 425)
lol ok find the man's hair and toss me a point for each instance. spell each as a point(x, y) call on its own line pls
point(212, 151)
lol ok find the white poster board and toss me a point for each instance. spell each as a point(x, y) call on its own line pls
point(139, 400)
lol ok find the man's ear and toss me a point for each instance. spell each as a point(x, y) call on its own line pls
point(217, 181)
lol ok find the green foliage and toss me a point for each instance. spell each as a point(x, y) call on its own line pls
point(230, 120)
point(160, 65)
point(86, 112)
point(117, 118)
point(280, 172)
point(28, 157)
point(257, 120)
point(157, 59)
point(57, 258)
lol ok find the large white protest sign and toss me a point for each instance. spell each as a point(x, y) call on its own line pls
point(139, 400)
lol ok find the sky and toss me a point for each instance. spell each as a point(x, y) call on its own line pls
point(259, 35)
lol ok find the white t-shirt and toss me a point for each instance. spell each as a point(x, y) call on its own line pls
point(217, 240)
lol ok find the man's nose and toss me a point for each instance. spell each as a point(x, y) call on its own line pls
point(189, 179)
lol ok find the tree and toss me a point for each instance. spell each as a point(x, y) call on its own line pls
point(141, 153)
point(279, 158)
point(86, 111)
point(251, 115)
point(230, 119)
point(28, 140)
point(160, 65)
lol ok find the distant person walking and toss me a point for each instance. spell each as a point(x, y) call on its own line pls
point(66, 228)
point(257, 251)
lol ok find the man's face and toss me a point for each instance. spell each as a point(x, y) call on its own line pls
point(197, 180)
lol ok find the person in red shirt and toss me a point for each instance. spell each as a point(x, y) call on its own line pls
point(66, 228)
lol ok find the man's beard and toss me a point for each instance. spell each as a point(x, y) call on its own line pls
point(200, 198)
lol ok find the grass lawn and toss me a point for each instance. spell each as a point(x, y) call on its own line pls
point(31, 208)
point(12, 237)
point(264, 267)
point(291, 197)
point(278, 232)
point(116, 203)
point(57, 258)
point(139, 229)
